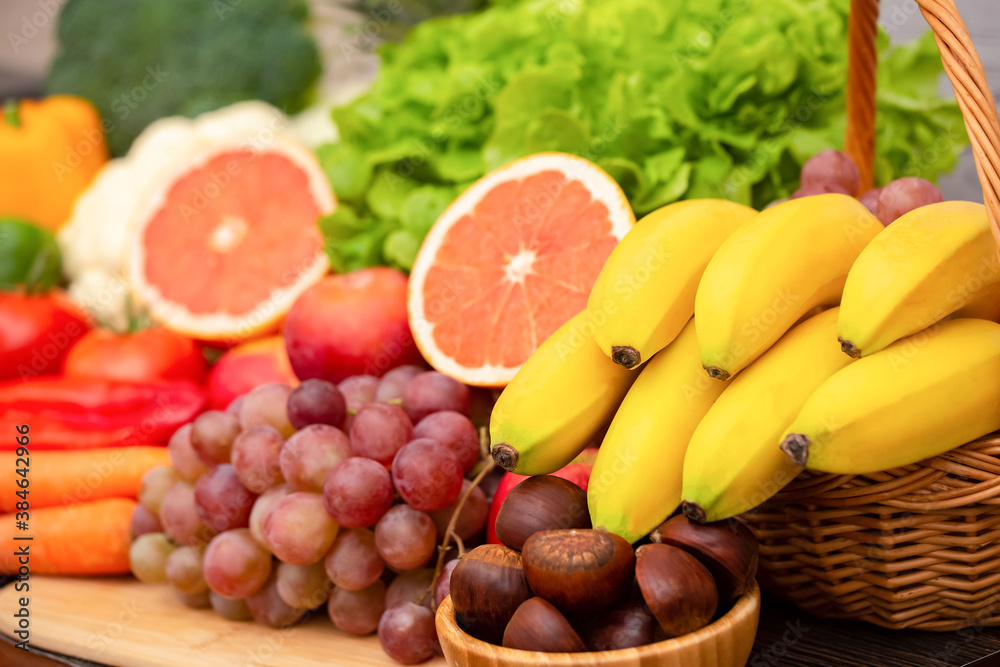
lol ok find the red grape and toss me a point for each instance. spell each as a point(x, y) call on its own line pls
point(234, 565)
point(393, 385)
point(834, 169)
point(155, 484)
point(405, 537)
point(303, 586)
point(316, 402)
point(212, 436)
point(443, 587)
point(144, 521)
point(358, 391)
point(358, 492)
point(267, 607)
point(357, 612)
point(353, 563)
point(471, 520)
point(427, 475)
point(433, 392)
point(235, 406)
point(255, 457)
point(407, 634)
point(870, 200)
point(182, 454)
point(453, 430)
point(308, 456)
point(904, 195)
point(267, 404)
point(813, 190)
point(298, 529)
point(223, 502)
point(231, 610)
point(379, 430)
point(410, 586)
point(262, 507)
point(180, 518)
point(147, 557)
point(184, 570)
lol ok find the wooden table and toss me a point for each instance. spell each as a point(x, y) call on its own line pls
point(786, 638)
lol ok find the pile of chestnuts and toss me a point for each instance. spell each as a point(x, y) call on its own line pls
point(556, 585)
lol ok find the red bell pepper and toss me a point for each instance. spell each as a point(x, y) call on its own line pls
point(78, 413)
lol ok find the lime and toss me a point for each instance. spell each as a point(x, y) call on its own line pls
point(29, 256)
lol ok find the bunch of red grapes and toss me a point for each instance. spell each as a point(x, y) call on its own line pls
point(322, 496)
point(835, 171)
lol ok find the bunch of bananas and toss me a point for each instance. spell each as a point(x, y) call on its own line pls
point(724, 349)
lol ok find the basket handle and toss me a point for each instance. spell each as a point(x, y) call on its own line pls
point(964, 69)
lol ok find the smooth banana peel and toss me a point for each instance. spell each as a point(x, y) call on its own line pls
point(562, 397)
point(644, 294)
point(732, 463)
point(782, 263)
point(636, 480)
point(926, 265)
point(917, 398)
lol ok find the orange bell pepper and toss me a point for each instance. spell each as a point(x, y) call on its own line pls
point(50, 151)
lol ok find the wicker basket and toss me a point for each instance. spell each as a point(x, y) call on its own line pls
point(919, 546)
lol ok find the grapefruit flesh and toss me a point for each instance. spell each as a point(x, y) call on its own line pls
point(510, 261)
point(226, 245)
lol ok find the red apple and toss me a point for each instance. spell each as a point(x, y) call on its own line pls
point(351, 324)
point(578, 472)
point(246, 366)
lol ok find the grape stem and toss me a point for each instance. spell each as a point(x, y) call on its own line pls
point(450, 531)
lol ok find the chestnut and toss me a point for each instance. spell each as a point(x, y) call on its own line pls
point(538, 626)
point(727, 548)
point(628, 625)
point(677, 588)
point(579, 571)
point(542, 502)
point(487, 587)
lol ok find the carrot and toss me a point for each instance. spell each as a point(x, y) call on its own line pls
point(76, 476)
point(86, 538)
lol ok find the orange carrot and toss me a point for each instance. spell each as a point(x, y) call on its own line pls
point(86, 538)
point(75, 476)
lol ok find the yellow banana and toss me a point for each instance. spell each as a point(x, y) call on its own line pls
point(984, 306)
point(559, 400)
point(917, 398)
point(733, 463)
point(636, 481)
point(924, 266)
point(785, 261)
point(644, 295)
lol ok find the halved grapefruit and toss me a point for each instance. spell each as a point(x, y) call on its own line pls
point(227, 238)
point(510, 261)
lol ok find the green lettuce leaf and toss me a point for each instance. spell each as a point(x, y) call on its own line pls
point(675, 99)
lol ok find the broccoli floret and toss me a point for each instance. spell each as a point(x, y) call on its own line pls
point(139, 60)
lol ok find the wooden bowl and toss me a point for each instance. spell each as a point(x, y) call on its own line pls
point(725, 643)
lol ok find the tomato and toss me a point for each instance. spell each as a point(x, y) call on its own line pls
point(149, 354)
point(246, 366)
point(36, 332)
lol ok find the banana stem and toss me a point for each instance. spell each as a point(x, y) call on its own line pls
point(505, 456)
point(694, 512)
point(625, 355)
point(796, 446)
point(849, 348)
point(717, 373)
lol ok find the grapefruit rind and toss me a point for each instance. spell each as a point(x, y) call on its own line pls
point(267, 313)
point(602, 188)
